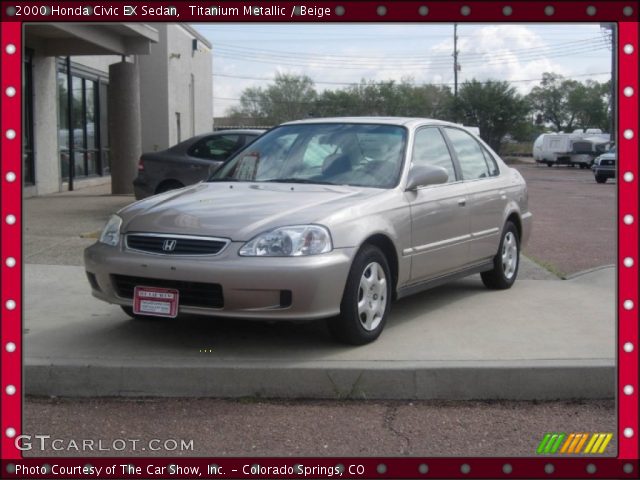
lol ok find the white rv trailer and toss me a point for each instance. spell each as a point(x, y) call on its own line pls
point(578, 148)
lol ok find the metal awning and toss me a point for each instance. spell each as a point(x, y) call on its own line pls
point(62, 39)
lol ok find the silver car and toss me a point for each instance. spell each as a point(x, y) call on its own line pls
point(326, 218)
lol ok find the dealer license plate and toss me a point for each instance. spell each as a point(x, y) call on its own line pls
point(159, 302)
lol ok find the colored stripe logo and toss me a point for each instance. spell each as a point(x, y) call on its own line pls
point(574, 443)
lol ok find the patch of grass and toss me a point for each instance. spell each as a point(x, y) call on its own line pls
point(547, 266)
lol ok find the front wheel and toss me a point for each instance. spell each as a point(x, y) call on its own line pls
point(366, 300)
point(506, 261)
point(601, 179)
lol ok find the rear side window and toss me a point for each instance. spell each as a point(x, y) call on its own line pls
point(429, 148)
point(469, 153)
point(219, 147)
point(494, 171)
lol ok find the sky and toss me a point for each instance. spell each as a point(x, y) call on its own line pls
point(336, 55)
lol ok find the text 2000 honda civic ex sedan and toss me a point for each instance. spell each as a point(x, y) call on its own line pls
point(325, 218)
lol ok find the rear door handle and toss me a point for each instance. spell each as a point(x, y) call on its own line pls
point(462, 202)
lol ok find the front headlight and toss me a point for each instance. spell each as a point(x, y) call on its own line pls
point(294, 241)
point(111, 231)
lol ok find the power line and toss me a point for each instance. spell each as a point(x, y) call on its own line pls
point(420, 84)
point(323, 82)
point(317, 63)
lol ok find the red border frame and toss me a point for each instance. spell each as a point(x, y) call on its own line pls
point(363, 11)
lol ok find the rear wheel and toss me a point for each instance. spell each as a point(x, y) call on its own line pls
point(366, 300)
point(506, 261)
point(601, 179)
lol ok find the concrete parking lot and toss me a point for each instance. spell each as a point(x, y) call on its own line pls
point(580, 313)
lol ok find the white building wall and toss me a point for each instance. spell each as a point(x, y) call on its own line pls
point(154, 108)
point(196, 110)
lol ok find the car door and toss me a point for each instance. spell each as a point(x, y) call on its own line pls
point(439, 213)
point(208, 153)
point(486, 190)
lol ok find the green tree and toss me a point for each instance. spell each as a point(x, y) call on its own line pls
point(568, 104)
point(290, 97)
point(495, 107)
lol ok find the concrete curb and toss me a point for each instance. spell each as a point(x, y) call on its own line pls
point(587, 271)
point(524, 380)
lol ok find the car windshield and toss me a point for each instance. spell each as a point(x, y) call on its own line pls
point(336, 154)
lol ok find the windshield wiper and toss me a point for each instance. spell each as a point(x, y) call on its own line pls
point(298, 180)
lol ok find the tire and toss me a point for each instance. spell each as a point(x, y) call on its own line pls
point(506, 262)
point(583, 166)
point(601, 179)
point(549, 164)
point(363, 314)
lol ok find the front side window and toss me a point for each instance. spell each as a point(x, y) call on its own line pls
point(339, 154)
point(429, 148)
point(469, 153)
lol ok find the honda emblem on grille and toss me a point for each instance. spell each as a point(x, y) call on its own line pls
point(169, 245)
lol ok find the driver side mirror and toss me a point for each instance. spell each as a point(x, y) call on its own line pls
point(424, 175)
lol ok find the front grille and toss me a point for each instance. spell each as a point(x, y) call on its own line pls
point(175, 244)
point(193, 294)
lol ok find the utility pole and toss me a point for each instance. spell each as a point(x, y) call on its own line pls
point(613, 97)
point(455, 60)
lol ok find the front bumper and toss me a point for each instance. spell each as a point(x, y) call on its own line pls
point(604, 171)
point(251, 286)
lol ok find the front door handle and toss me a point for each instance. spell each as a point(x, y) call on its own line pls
point(462, 202)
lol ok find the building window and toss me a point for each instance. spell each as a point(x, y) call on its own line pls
point(88, 121)
point(28, 158)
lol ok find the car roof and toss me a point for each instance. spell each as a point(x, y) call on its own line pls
point(403, 121)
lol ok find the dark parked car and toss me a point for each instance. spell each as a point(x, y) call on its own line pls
point(188, 162)
point(605, 166)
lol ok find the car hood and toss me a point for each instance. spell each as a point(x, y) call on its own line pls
point(239, 211)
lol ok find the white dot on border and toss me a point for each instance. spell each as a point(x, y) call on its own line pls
point(10, 262)
point(549, 10)
point(423, 468)
point(628, 49)
point(628, 219)
point(10, 177)
point(10, 347)
point(628, 304)
point(10, 49)
point(628, 389)
point(549, 468)
point(627, 11)
point(10, 91)
point(10, 134)
point(381, 10)
point(507, 468)
point(381, 468)
point(628, 262)
point(591, 10)
point(10, 304)
point(627, 468)
point(628, 432)
point(423, 10)
point(10, 390)
point(10, 432)
point(628, 134)
point(465, 10)
point(340, 10)
point(628, 347)
point(628, 91)
point(465, 468)
point(591, 468)
point(628, 176)
point(507, 11)
point(11, 219)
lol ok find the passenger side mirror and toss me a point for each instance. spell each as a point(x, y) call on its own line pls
point(424, 175)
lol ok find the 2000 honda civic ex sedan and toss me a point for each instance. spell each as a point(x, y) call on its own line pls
point(324, 218)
